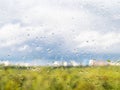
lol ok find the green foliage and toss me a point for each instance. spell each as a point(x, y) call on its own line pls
point(60, 78)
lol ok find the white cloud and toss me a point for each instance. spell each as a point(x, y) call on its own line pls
point(92, 41)
point(14, 34)
point(24, 48)
point(98, 42)
point(38, 48)
point(73, 22)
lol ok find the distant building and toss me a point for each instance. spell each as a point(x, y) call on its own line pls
point(93, 62)
point(5, 63)
point(73, 63)
point(64, 63)
point(115, 63)
point(22, 64)
point(56, 63)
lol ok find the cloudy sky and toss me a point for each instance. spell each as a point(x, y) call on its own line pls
point(48, 30)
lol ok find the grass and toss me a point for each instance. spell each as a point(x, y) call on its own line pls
point(60, 78)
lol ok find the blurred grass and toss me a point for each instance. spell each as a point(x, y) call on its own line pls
point(60, 78)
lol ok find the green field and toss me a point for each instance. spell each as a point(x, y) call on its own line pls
point(60, 78)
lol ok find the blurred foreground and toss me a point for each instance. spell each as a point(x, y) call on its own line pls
point(60, 78)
